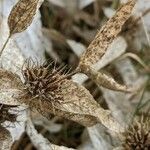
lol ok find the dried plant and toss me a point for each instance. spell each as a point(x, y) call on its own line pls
point(20, 17)
point(137, 136)
point(43, 82)
point(99, 45)
point(106, 35)
point(49, 90)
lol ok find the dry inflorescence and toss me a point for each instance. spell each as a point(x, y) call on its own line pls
point(43, 82)
point(137, 136)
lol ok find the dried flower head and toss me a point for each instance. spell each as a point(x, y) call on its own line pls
point(6, 115)
point(43, 81)
point(137, 136)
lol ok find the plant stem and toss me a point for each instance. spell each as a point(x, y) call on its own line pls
point(5, 45)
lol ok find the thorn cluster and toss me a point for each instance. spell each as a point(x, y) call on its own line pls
point(43, 82)
point(137, 137)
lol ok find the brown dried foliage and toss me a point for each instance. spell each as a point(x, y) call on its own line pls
point(106, 35)
point(22, 15)
point(47, 90)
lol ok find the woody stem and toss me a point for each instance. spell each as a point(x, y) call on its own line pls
point(5, 45)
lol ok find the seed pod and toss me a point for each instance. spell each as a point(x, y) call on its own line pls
point(43, 82)
point(137, 136)
point(22, 15)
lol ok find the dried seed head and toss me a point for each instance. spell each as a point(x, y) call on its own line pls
point(5, 115)
point(43, 82)
point(137, 136)
point(22, 15)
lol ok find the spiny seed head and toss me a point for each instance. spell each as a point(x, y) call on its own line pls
point(41, 81)
point(137, 136)
point(5, 115)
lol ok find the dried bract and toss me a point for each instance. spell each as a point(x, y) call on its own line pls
point(137, 137)
point(106, 35)
point(22, 15)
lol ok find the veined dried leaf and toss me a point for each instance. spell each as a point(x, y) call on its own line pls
point(114, 51)
point(22, 15)
point(77, 104)
point(10, 85)
point(82, 102)
point(106, 35)
point(46, 108)
point(102, 79)
point(32, 45)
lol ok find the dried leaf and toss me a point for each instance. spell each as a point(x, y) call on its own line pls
point(106, 35)
point(82, 102)
point(102, 79)
point(22, 15)
point(46, 109)
point(9, 87)
point(8, 59)
point(5, 139)
point(114, 51)
point(77, 104)
point(32, 45)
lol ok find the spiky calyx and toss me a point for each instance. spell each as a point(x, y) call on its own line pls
point(43, 82)
point(137, 136)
